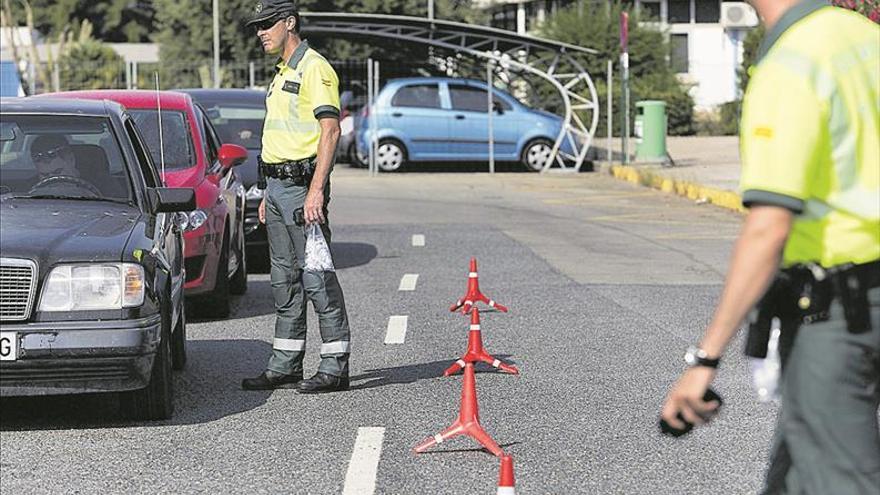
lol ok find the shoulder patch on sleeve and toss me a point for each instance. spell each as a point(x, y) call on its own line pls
point(764, 132)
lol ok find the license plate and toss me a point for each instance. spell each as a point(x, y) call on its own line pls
point(8, 346)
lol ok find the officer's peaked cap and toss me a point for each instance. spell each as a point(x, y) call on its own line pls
point(269, 9)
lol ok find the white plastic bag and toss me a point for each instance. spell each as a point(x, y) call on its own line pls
point(766, 372)
point(318, 257)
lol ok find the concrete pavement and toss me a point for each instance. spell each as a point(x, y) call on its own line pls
point(706, 169)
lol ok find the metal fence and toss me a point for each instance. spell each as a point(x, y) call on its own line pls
point(63, 76)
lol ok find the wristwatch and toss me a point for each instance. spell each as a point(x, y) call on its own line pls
point(698, 357)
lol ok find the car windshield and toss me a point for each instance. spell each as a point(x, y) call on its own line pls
point(240, 125)
point(74, 157)
point(176, 137)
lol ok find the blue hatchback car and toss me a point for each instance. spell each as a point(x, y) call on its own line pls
point(446, 119)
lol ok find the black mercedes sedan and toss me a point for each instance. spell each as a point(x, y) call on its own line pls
point(91, 257)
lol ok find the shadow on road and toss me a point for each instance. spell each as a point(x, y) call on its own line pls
point(412, 373)
point(208, 389)
point(351, 254)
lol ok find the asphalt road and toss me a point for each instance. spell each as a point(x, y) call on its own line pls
point(607, 284)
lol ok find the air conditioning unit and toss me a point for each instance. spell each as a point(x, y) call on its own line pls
point(738, 15)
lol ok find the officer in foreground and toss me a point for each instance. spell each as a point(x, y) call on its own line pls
point(299, 140)
point(811, 180)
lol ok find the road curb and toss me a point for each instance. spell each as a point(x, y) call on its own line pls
point(691, 190)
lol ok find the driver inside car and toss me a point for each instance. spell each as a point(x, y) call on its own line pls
point(52, 156)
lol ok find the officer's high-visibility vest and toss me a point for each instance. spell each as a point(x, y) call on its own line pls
point(304, 89)
point(810, 133)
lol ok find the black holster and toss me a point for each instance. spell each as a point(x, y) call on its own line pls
point(261, 178)
point(802, 294)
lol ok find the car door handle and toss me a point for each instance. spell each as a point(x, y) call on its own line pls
point(397, 114)
point(459, 117)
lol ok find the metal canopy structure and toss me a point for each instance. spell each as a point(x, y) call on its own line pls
point(559, 64)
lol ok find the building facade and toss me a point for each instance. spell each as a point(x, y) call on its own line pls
point(706, 37)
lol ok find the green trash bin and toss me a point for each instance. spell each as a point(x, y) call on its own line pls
point(650, 130)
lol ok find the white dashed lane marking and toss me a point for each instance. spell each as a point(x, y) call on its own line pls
point(418, 240)
point(361, 476)
point(396, 333)
point(408, 282)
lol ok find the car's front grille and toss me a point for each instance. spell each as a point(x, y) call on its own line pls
point(10, 376)
point(17, 285)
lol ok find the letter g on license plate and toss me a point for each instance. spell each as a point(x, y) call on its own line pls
point(8, 346)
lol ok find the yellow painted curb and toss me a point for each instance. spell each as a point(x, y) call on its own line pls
point(690, 190)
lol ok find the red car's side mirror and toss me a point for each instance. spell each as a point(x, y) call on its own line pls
point(231, 155)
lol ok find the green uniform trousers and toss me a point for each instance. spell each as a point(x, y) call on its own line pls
point(291, 285)
point(827, 440)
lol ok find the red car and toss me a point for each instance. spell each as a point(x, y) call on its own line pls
point(193, 156)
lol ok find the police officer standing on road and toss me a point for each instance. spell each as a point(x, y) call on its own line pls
point(299, 141)
point(810, 147)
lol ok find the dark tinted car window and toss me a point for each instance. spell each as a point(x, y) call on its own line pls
point(468, 98)
point(147, 168)
point(177, 140)
point(417, 95)
point(238, 124)
point(80, 155)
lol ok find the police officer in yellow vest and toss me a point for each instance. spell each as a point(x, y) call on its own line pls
point(810, 148)
point(299, 141)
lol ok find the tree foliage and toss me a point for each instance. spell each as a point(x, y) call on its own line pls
point(113, 20)
point(597, 26)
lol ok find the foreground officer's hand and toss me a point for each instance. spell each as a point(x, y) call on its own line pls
point(686, 397)
point(314, 206)
point(261, 211)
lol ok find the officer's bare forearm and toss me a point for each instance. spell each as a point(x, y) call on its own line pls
point(326, 149)
point(753, 264)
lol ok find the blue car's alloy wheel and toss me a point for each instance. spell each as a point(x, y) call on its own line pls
point(536, 155)
point(390, 156)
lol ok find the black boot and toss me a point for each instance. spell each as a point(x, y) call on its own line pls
point(322, 382)
point(270, 382)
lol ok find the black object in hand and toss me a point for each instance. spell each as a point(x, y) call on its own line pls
point(668, 429)
point(299, 217)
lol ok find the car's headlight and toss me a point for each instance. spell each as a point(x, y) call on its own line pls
point(93, 287)
point(254, 193)
point(191, 220)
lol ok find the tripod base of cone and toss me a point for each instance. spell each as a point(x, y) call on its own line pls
point(471, 429)
point(490, 360)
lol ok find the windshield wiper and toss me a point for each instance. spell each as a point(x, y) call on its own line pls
point(73, 198)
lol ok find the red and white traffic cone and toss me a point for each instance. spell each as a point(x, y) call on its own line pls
point(473, 294)
point(468, 422)
point(475, 351)
point(506, 483)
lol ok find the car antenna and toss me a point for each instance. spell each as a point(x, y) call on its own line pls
point(161, 141)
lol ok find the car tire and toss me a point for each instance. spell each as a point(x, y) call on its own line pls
point(353, 158)
point(178, 341)
point(390, 155)
point(217, 303)
point(535, 154)
point(239, 283)
point(156, 400)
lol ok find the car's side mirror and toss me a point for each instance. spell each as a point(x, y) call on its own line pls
point(172, 199)
point(231, 155)
point(498, 108)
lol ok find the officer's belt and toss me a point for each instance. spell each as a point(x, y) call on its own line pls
point(295, 169)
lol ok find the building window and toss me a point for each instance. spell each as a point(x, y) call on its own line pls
point(651, 9)
point(678, 11)
point(707, 11)
point(678, 56)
